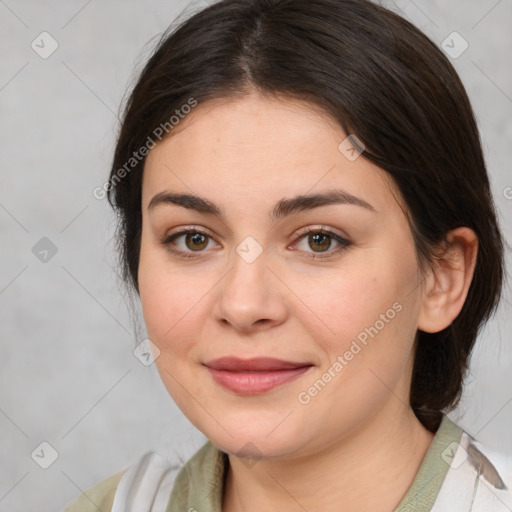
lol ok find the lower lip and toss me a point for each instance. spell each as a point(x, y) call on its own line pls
point(252, 383)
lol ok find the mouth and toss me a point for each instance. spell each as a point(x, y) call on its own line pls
point(256, 375)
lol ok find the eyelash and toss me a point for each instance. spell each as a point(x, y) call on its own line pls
point(344, 244)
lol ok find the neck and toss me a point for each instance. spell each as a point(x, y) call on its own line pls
point(370, 469)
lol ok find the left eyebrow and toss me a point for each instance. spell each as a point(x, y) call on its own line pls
point(282, 208)
point(286, 207)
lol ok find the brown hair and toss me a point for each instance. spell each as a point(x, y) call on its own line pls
point(382, 80)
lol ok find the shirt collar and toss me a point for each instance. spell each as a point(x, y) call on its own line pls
point(200, 483)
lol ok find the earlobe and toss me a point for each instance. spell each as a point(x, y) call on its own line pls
point(448, 284)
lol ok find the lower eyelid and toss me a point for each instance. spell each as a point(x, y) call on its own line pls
point(342, 242)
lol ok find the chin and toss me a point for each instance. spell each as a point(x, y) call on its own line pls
point(253, 443)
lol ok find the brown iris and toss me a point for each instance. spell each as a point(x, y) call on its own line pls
point(320, 240)
point(198, 240)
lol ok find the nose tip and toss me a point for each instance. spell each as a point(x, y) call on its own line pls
point(248, 325)
point(247, 299)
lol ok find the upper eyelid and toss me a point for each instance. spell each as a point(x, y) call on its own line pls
point(298, 234)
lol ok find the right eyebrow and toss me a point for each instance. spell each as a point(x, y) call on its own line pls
point(283, 208)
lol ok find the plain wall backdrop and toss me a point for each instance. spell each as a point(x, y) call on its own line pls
point(69, 377)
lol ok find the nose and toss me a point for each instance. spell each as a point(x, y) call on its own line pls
point(251, 297)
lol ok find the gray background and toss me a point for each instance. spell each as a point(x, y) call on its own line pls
point(68, 374)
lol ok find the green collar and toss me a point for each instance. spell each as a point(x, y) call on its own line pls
point(200, 483)
point(425, 487)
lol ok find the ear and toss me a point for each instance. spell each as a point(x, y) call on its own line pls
point(448, 283)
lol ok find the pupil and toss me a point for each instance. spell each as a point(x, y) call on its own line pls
point(318, 239)
point(196, 239)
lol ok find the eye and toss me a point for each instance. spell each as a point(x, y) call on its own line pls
point(192, 241)
point(320, 240)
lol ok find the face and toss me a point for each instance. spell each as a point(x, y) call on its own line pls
point(331, 284)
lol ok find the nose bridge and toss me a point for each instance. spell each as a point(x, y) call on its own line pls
point(247, 279)
point(246, 295)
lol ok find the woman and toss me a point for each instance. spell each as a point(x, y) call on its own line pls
point(306, 217)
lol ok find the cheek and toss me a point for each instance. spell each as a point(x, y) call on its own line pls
point(171, 304)
point(345, 301)
point(168, 298)
point(365, 311)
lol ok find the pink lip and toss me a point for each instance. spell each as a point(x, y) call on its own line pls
point(253, 376)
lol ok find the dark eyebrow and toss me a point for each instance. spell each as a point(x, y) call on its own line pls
point(307, 202)
point(282, 209)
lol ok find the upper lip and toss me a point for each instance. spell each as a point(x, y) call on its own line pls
point(253, 364)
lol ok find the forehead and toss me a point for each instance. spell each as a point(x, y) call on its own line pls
point(261, 147)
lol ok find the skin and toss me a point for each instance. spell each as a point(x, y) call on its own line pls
point(358, 434)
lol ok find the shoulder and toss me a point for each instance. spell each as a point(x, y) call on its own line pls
point(99, 497)
point(478, 477)
point(147, 482)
